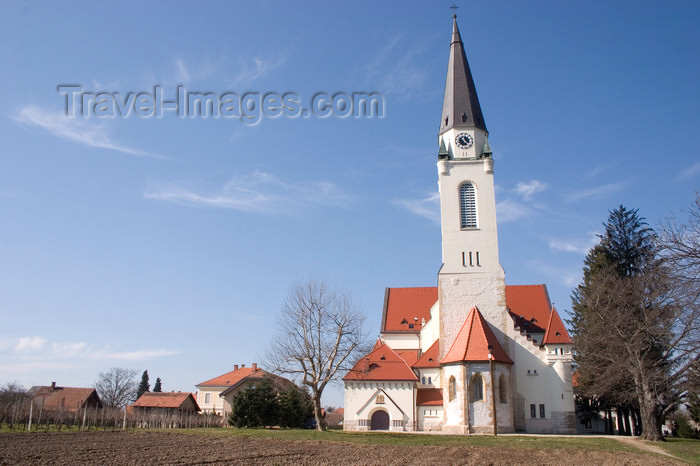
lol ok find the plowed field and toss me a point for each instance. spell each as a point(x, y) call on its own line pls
point(157, 447)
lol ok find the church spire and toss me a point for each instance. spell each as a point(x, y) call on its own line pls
point(460, 108)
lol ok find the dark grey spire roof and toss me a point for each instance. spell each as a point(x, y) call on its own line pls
point(460, 107)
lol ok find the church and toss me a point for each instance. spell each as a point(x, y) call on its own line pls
point(471, 355)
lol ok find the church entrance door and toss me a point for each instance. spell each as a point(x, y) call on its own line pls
point(380, 420)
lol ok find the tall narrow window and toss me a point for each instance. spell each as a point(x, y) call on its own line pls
point(467, 205)
point(533, 410)
point(502, 389)
point(542, 411)
point(477, 388)
point(452, 388)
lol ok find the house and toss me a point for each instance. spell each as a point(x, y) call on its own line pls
point(67, 399)
point(166, 403)
point(215, 395)
point(334, 418)
point(470, 355)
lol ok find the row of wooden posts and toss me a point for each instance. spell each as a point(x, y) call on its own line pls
point(27, 416)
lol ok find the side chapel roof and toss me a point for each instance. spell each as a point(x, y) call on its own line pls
point(473, 342)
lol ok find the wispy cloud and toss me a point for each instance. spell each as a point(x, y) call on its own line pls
point(595, 192)
point(36, 349)
point(139, 355)
point(526, 189)
point(576, 246)
point(509, 210)
point(29, 344)
point(567, 277)
point(258, 192)
point(188, 73)
point(428, 207)
point(254, 69)
point(394, 69)
point(690, 172)
point(74, 129)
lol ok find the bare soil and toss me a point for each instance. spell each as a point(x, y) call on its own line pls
point(149, 447)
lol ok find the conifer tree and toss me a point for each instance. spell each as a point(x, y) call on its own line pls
point(157, 387)
point(144, 386)
point(295, 407)
point(255, 406)
point(624, 319)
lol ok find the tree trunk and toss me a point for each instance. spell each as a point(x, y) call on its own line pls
point(651, 423)
point(626, 418)
point(320, 422)
point(609, 422)
point(620, 421)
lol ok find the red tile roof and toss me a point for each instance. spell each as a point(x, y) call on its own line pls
point(66, 398)
point(407, 306)
point(231, 378)
point(473, 340)
point(176, 400)
point(381, 364)
point(529, 306)
point(556, 332)
point(429, 397)
point(410, 356)
point(430, 357)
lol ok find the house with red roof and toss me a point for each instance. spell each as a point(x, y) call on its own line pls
point(166, 403)
point(472, 354)
point(215, 395)
point(66, 399)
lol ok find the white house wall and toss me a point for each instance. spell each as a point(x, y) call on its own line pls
point(361, 403)
point(401, 341)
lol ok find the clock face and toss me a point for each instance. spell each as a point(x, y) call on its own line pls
point(464, 140)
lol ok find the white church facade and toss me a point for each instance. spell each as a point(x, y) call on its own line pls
point(471, 355)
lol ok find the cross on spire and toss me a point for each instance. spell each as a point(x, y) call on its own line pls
point(454, 10)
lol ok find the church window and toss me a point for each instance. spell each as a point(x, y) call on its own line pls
point(541, 410)
point(207, 397)
point(471, 262)
point(478, 262)
point(467, 205)
point(502, 389)
point(477, 388)
point(430, 382)
point(423, 380)
point(452, 388)
point(533, 410)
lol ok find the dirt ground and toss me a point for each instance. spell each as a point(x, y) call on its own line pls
point(148, 447)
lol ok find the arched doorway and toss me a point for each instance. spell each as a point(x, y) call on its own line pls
point(380, 420)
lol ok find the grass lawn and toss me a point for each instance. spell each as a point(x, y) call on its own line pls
point(687, 449)
point(378, 438)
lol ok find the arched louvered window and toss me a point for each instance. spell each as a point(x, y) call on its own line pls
point(467, 205)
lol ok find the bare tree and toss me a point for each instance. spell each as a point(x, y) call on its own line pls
point(680, 244)
point(680, 247)
point(319, 336)
point(635, 325)
point(117, 387)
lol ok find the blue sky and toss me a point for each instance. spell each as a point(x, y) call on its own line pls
point(169, 243)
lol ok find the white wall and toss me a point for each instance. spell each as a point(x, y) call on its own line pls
point(361, 402)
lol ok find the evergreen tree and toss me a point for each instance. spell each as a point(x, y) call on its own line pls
point(157, 387)
point(623, 324)
point(144, 386)
point(255, 406)
point(295, 407)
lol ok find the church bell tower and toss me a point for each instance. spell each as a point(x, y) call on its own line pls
point(471, 274)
